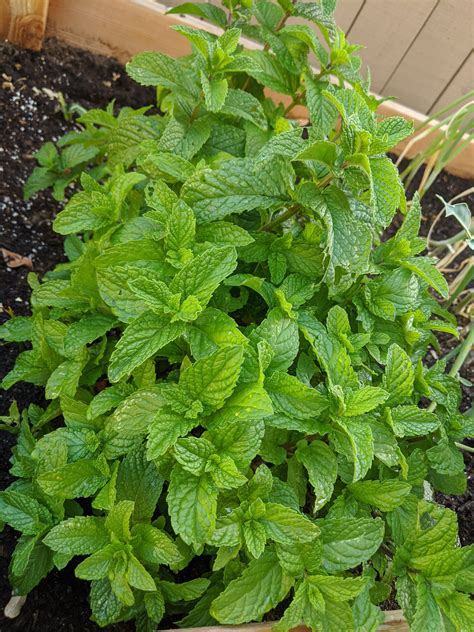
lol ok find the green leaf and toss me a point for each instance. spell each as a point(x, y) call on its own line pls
point(153, 546)
point(81, 535)
point(212, 379)
point(215, 92)
point(285, 525)
point(80, 479)
point(99, 564)
point(86, 210)
point(349, 542)
point(238, 185)
point(141, 340)
point(293, 398)
point(411, 421)
point(192, 454)
point(281, 334)
point(213, 329)
point(192, 503)
point(364, 400)
point(427, 613)
point(138, 576)
point(203, 274)
point(261, 586)
point(23, 513)
point(105, 606)
point(425, 267)
point(399, 376)
point(204, 10)
point(85, 331)
point(240, 441)
point(164, 430)
point(387, 189)
point(185, 591)
point(321, 465)
point(255, 537)
point(138, 480)
point(158, 69)
point(338, 588)
point(244, 105)
point(356, 442)
point(385, 495)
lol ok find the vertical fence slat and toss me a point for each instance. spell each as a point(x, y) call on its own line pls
point(346, 11)
point(387, 29)
point(435, 55)
point(23, 22)
point(462, 83)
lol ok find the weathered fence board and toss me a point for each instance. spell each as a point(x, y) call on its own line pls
point(434, 56)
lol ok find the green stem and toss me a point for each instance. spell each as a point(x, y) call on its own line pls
point(466, 448)
point(451, 240)
point(280, 219)
point(460, 359)
point(463, 353)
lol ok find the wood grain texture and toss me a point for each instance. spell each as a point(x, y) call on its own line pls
point(435, 55)
point(387, 29)
point(461, 83)
point(346, 12)
point(23, 22)
point(122, 28)
point(394, 622)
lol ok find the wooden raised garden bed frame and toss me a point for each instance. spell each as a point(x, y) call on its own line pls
point(122, 28)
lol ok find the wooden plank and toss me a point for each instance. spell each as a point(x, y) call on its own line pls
point(435, 55)
point(122, 28)
point(387, 29)
point(23, 22)
point(394, 622)
point(461, 83)
point(346, 11)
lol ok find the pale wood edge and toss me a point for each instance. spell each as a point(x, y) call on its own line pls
point(394, 622)
point(121, 28)
point(23, 22)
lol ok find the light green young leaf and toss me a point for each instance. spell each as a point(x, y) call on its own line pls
point(284, 525)
point(261, 586)
point(385, 495)
point(142, 339)
point(399, 376)
point(212, 379)
point(364, 400)
point(203, 274)
point(81, 535)
point(215, 92)
point(192, 503)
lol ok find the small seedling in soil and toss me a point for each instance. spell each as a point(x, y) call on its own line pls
point(239, 413)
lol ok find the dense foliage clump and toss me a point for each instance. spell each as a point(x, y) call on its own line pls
point(233, 356)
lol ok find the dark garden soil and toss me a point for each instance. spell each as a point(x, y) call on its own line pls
point(29, 116)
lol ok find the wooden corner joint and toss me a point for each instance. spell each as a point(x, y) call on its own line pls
point(26, 22)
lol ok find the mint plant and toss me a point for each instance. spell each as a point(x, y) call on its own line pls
point(233, 355)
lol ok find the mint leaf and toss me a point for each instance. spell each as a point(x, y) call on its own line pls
point(142, 339)
point(239, 185)
point(321, 465)
point(192, 502)
point(262, 585)
point(78, 536)
point(347, 543)
point(385, 495)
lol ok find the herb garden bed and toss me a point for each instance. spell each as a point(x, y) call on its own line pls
point(32, 116)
